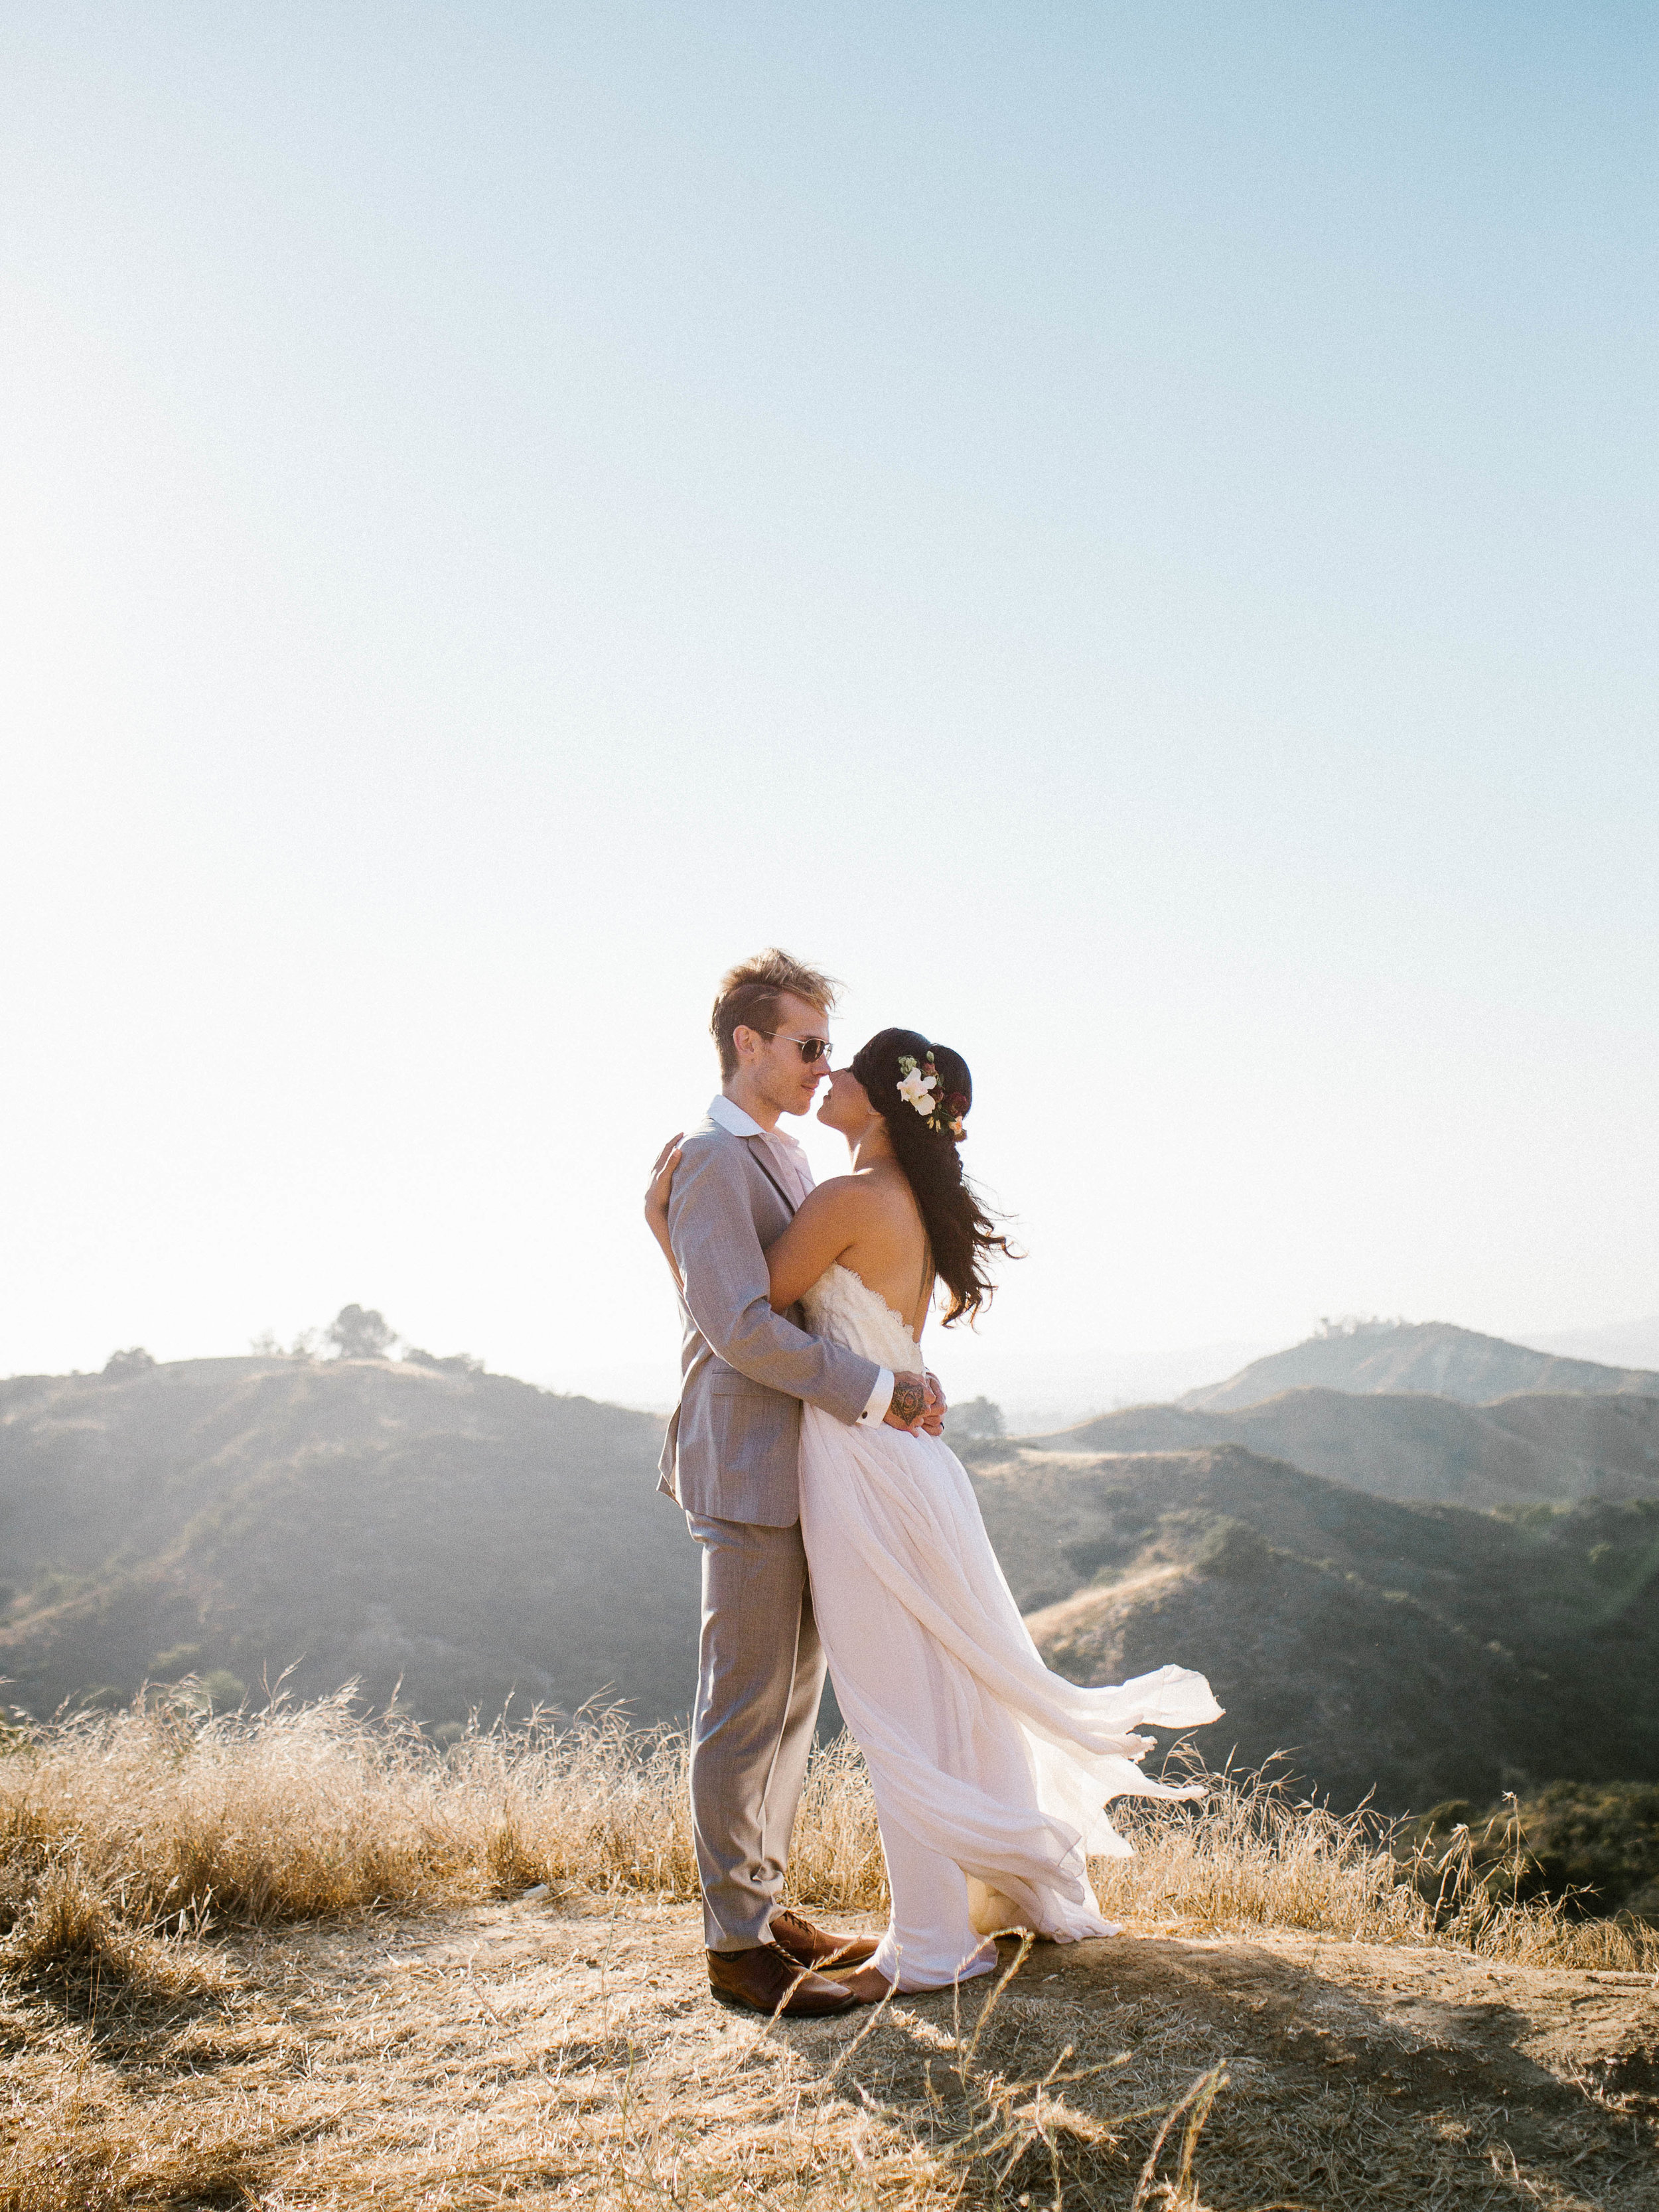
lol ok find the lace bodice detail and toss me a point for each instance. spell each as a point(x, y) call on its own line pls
point(841, 1306)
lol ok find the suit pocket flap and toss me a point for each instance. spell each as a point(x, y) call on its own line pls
point(726, 1383)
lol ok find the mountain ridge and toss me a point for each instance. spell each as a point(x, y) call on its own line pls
point(364, 1519)
point(1524, 1450)
point(453, 1539)
point(1432, 1358)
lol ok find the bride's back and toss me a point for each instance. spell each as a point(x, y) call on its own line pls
point(888, 1252)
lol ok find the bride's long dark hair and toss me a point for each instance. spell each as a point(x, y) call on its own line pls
point(960, 1232)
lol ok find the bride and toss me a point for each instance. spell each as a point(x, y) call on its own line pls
point(990, 1772)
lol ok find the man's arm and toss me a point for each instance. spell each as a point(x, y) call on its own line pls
point(717, 1252)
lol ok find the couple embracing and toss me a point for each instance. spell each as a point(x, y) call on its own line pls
point(836, 1524)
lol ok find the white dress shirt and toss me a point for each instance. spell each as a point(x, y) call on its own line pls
point(796, 1176)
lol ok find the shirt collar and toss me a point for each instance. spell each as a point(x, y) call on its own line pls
point(726, 1114)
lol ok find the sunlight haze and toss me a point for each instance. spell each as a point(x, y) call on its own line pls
point(1124, 534)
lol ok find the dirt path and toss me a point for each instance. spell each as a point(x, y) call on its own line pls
point(561, 2051)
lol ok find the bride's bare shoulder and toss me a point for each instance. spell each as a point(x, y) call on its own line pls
point(846, 1196)
point(867, 1202)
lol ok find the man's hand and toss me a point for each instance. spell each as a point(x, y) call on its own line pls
point(909, 1403)
point(932, 1419)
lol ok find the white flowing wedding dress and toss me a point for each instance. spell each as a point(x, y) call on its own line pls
point(991, 1773)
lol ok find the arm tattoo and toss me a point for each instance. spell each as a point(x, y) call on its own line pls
point(909, 1395)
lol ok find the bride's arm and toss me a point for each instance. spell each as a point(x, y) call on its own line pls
point(656, 1204)
point(826, 1226)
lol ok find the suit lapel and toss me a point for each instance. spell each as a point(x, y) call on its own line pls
point(756, 1153)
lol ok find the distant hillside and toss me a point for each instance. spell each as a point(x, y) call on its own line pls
point(1616, 1433)
point(464, 1533)
point(1431, 1358)
point(470, 1538)
point(1421, 1651)
point(1514, 1453)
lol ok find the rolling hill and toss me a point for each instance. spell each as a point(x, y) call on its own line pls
point(1516, 1452)
point(456, 1538)
point(462, 1534)
point(1423, 1651)
point(1430, 1358)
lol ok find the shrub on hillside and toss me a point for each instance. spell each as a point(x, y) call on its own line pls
point(1597, 1844)
point(356, 1333)
point(1590, 1848)
point(134, 1361)
point(1231, 1548)
point(974, 1418)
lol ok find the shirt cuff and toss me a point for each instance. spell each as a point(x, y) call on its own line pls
point(880, 1398)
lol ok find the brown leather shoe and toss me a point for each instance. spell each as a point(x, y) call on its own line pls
point(767, 1979)
point(816, 1946)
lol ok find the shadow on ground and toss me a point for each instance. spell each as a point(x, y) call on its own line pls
point(558, 2051)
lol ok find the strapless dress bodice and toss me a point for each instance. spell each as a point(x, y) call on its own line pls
point(843, 1307)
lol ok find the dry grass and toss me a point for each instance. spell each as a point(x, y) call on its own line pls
point(558, 2072)
point(533, 2055)
point(1254, 1856)
point(242, 1966)
point(308, 1811)
point(72, 1931)
point(181, 1822)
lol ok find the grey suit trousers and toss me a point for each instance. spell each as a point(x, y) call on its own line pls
point(760, 1676)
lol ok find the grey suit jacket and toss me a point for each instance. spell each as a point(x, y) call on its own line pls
point(731, 1442)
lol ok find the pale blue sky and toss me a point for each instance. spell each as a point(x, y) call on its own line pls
point(1126, 533)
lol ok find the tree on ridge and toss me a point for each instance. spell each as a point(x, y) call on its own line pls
point(357, 1334)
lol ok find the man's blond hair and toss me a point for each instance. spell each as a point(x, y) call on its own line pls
point(749, 996)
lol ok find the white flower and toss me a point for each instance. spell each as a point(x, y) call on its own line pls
point(914, 1089)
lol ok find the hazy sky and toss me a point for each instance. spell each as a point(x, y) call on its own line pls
point(1125, 532)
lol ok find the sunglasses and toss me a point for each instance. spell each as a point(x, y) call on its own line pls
point(811, 1049)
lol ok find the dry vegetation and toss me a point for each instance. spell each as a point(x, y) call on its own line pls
point(179, 1822)
point(293, 1958)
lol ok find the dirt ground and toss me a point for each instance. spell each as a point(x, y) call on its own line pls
point(562, 2051)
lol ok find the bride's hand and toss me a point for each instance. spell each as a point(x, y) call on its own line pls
point(662, 1178)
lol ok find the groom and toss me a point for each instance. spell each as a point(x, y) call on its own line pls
point(729, 1460)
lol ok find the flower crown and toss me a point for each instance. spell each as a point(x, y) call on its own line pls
point(918, 1086)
